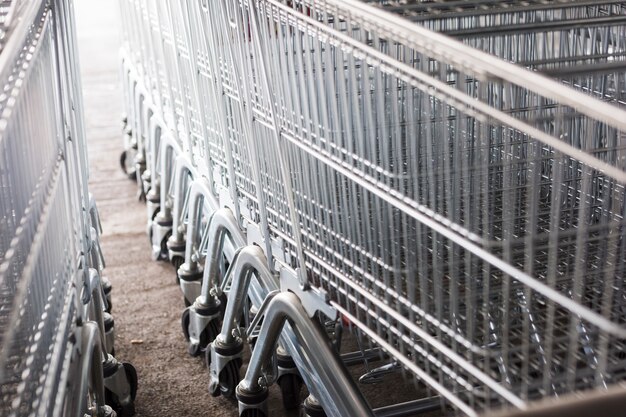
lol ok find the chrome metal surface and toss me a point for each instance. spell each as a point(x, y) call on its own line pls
point(49, 225)
point(457, 196)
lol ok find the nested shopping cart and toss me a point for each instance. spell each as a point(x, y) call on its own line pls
point(457, 198)
point(54, 345)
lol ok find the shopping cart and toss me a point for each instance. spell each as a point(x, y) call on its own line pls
point(458, 197)
point(53, 350)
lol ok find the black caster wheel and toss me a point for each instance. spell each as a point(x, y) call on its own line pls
point(209, 334)
point(163, 253)
point(150, 237)
point(109, 307)
point(206, 337)
point(131, 374)
point(207, 356)
point(177, 261)
point(111, 399)
point(107, 288)
point(156, 200)
point(229, 378)
point(184, 322)
point(123, 157)
point(163, 256)
point(194, 350)
point(290, 388)
point(129, 170)
point(252, 412)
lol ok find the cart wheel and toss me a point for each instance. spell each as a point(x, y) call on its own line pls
point(163, 253)
point(214, 389)
point(194, 349)
point(130, 173)
point(252, 412)
point(109, 307)
point(123, 161)
point(209, 334)
point(290, 387)
point(131, 374)
point(177, 261)
point(156, 212)
point(207, 356)
point(184, 322)
point(150, 236)
point(107, 288)
point(164, 247)
point(111, 399)
point(229, 378)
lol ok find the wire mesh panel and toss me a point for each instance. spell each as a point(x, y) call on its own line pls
point(466, 214)
point(42, 211)
point(220, 101)
point(580, 42)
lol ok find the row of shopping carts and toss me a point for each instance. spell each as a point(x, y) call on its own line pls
point(443, 178)
point(56, 331)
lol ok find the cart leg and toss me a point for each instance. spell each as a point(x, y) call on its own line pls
point(336, 385)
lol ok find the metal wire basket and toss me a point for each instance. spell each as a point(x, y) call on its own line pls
point(458, 196)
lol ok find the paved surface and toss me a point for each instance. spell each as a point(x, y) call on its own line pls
point(146, 302)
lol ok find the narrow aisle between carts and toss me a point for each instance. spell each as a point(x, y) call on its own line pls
point(146, 303)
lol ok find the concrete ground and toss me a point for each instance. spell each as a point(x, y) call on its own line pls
point(147, 304)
